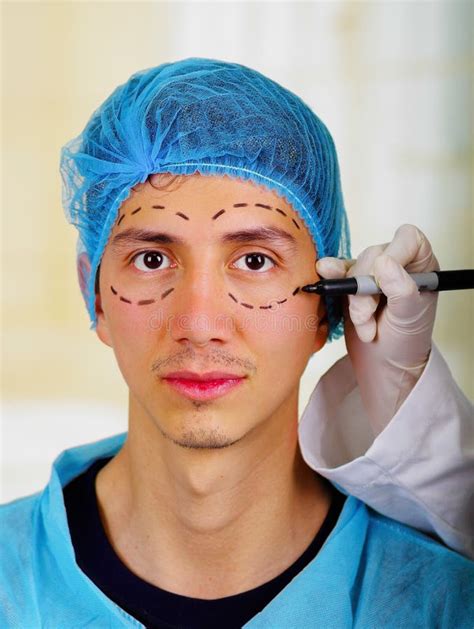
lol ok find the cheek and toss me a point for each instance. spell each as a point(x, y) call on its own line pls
point(133, 331)
point(286, 335)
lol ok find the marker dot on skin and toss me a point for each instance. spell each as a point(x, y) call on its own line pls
point(167, 292)
point(146, 302)
point(218, 214)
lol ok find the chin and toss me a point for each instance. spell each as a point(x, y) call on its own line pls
point(197, 438)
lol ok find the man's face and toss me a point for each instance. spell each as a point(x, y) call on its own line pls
point(192, 299)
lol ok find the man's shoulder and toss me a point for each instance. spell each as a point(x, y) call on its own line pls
point(389, 536)
point(17, 516)
point(399, 576)
point(17, 549)
point(18, 524)
point(411, 562)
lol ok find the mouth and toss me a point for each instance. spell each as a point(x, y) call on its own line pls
point(203, 386)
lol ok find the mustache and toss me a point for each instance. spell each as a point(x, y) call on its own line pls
point(214, 358)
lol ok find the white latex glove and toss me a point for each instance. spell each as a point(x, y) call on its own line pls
point(388, 337)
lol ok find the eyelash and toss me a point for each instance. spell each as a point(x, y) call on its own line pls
point(140, 253)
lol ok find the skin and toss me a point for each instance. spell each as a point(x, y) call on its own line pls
point(209, 499)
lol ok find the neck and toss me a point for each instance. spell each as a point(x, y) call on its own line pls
point(210, 523)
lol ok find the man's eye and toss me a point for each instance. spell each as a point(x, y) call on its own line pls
point(256, 262)
point(149, 260)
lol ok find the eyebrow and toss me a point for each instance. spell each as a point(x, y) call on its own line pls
point(271, 235)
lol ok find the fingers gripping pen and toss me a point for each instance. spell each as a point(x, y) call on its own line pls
point(366, 284)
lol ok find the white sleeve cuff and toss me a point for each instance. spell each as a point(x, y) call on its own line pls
point(419, 469)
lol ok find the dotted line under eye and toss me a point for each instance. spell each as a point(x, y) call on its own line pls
point(142, 302)
point(147, 302)
point(282, 301)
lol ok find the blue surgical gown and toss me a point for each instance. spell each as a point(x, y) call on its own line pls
point(372, 572)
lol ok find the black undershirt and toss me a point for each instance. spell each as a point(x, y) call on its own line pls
point(152, 606)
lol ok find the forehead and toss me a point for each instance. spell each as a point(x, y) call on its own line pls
point(205, 193)
point(208, 207)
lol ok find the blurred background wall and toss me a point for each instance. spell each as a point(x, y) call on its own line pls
point(392, 81)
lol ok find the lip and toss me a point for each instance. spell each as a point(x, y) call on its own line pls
point(203, 389)
point(208, 375)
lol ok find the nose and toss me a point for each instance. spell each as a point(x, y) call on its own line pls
point(203, 312)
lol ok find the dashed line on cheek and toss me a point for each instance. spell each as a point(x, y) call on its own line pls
point(145, 302)
point(167, 292)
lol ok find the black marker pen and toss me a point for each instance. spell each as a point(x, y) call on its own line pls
point(366, 284)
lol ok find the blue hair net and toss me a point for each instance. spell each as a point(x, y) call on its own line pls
point(215, 118)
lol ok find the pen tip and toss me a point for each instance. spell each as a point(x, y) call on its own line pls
point(310, 288)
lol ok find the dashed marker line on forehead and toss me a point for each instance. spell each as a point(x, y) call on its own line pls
point(219, 213)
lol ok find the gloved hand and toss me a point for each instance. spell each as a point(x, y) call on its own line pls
point(388, 337)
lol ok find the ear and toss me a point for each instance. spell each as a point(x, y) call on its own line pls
point(83, 272)
point(322, 332)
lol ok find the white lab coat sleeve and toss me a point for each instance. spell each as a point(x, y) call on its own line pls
point(418, 470)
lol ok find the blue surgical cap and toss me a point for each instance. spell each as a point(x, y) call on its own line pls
point(210, 117)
